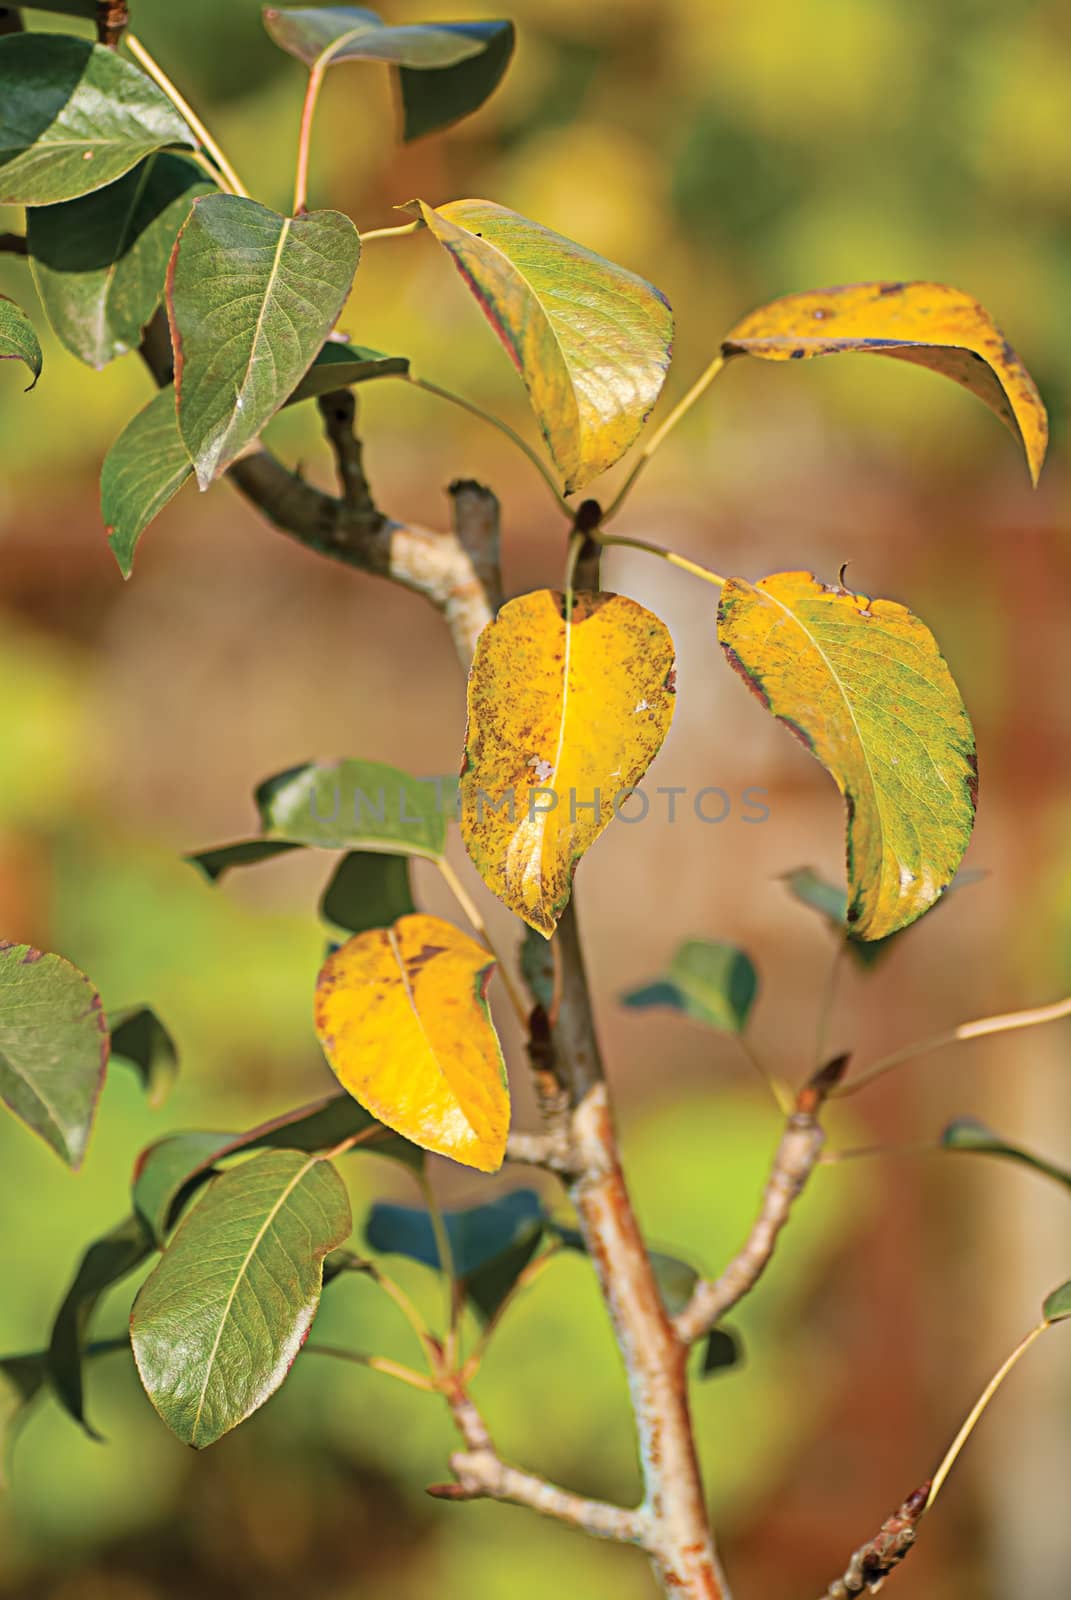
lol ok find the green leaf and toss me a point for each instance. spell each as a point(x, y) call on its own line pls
point(106, 1262)
point(968, 1134)
point(22, 1379)
point(339, 365)
point(721, 1350)
point(75, 117)
point(18, 341)
point(169, 1173)
point(368, 890)
point(491, 1244)
point(354, 805)
point(141, 1039)
point(99, 262)
point(591, 340)
point(216, 1327)
point(247, 853)
point(1058, 1304)
point(144, 470)
point(861, 682)
point(69, 8)
point(251, 297)
point(676, 1279)
point(53, 1047)
point(436, 99)
point(708, 980)
point(831, 902)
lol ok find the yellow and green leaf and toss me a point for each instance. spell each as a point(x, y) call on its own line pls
point(591, 340)
point(863, 684)
point(565, 717)
point(402, 1016)
point(928, 324)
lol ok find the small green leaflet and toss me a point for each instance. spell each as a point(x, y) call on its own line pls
point(18, 341)
point(368, 890)
point(355, 805)
point(217, 1326)
point(709, 980)
point(966, 1134)
point(1057, 1305)
point(142, 1040)
point(75, 116)
point(251, 298)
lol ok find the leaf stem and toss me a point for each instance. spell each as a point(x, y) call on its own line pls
point(308, 112)
point(662, 432)
point(503, 427)
point(183, 107)
point(1007, 1022)
point(390, 1369)
point(445, 1252)
point(665, 555)
point(394, 233)
point(829, 1000)
point(983, 1400)
point(479, 927)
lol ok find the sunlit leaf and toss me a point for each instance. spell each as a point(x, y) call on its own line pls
point(864, 686)
point(53, 1047)
point(591, 340)
point(170, 1172)
point(338, 365)
point(251, 298)
point(928, 324)
point(140, 1038)
point(563, 721)
point(18, 341)
point(708, 980)
point(831, 902)
point(446, 69)
point(1058, 1304)
point(216, 1327)
point(75, 117)
point(368, 890)
point(968, 1134)
point(144, 470)
point(402, 1016)
point(107, 1261)
point(364, 805)
point(99, 261)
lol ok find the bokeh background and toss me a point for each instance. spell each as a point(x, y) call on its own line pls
point(730, 152)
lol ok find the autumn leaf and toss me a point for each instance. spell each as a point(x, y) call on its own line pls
point(862, 683)
point(402, 1017)
point(928, 324)
point(565, 717)
point(591, 340)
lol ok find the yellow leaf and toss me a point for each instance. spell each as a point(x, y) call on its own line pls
point(591, 340)
point(928, 324)
point(862, 683)
point(402, 1018)
point(564, 719)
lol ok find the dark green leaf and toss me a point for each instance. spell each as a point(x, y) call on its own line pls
point(22, 1378)
point(354, 805)
point(435, 99)
point(140, 1038)
point(216, 1327)
point(144, 469)
point(967, 1134)
point(338, 365)
point(105, 1263)
point(831, 902)
point(490, 1286)
point(368, 890)
point(721, 1349)
point(75, 117)
point(100, 261)
point(247, 853)
point(709, 980)
point(1058, 1304)
point(537, 967)
point(477, 1236)
point(169, 1173)
point(53, 1047)
point(341, 1262)
point(252, 296)
point(18, 341)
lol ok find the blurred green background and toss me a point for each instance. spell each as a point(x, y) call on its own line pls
point(729, 152)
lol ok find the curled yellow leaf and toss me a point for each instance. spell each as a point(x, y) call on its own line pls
point(863, 684)
point(928, 324)
point(402, 1017)
point(565, 717)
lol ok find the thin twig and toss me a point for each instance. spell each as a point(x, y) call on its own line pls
point(147, 63)
point(393, 233)
point(308, 112)
point(662, 432)
point(954, 1449)
point(665, 555)
point(389, 1369)
point(872, 1562)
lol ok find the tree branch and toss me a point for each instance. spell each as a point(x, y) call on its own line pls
point(872, 1562)
point(482, 1475)
point(796, 1158)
